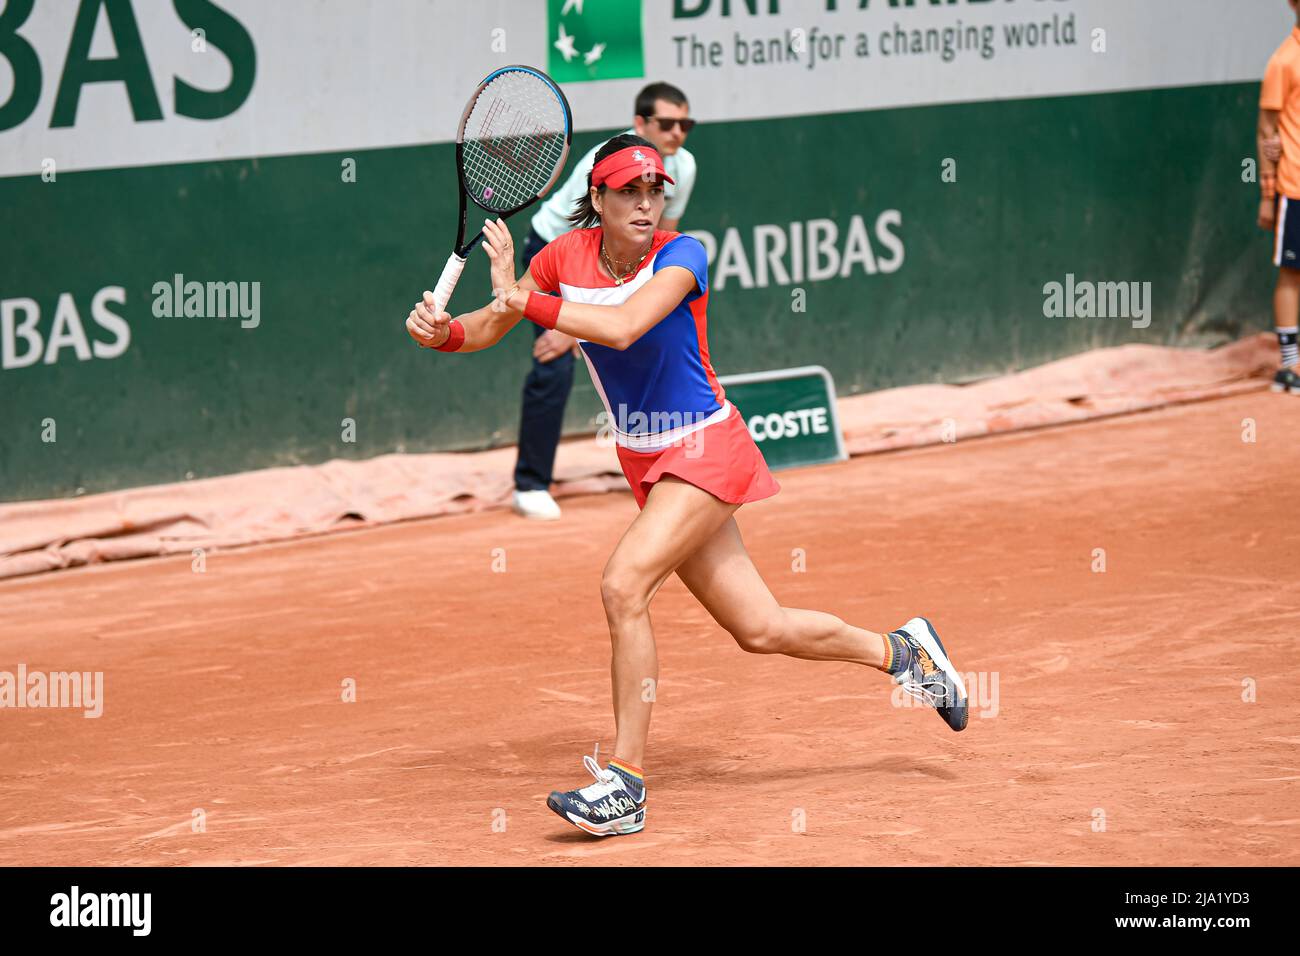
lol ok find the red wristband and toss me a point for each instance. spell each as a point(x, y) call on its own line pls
point(455, 340)
point(543, 309)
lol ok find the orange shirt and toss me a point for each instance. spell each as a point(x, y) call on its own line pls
point(1281, 92)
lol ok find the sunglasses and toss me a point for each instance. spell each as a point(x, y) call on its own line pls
point(666, 124)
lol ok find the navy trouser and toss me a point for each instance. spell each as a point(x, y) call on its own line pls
point(546, 391)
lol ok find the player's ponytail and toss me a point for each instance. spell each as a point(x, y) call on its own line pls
point(584, 215)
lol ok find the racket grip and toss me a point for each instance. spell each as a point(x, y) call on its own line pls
point(447, 282)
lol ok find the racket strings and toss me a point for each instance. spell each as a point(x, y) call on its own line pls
point(514, 139)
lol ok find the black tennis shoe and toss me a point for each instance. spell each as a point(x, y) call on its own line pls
point(1287, 380)
point(612, 806)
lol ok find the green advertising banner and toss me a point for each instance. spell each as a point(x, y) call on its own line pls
point(220, 213)
point(790, 413)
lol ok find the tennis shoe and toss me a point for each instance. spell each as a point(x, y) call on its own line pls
point(538, 505)
point(1287, 380)
point(931, 678)
point(612, 806)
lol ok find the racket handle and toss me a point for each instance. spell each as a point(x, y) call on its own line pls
point(447, 282)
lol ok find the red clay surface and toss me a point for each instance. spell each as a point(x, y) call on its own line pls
point(1118, 693)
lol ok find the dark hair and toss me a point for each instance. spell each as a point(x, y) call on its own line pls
point(645, 100)
point(584, 213)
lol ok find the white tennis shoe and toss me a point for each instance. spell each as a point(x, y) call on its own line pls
point(538, 505)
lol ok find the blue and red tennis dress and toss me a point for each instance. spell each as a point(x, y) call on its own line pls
point(666, 411)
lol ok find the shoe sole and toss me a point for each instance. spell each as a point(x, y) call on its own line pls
point(929, 639)
point(632, 823)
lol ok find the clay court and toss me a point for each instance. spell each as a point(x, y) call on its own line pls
point(1119, 694)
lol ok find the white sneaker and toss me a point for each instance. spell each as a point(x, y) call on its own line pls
point(536, 504)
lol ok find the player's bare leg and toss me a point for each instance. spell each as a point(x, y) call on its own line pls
point(676, 521)
point(723, 578)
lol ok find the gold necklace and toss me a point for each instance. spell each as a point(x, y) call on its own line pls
point(610, 266)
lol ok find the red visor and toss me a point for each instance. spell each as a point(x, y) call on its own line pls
point(619, 169)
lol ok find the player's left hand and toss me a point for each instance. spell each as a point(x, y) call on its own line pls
point(1273, 149)
point(500, 248)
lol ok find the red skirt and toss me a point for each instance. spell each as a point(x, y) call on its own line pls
point(721, 458)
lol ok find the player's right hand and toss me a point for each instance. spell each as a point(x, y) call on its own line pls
point(1267, 214)
point(429, 327)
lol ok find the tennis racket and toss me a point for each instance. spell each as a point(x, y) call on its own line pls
point(510, 149)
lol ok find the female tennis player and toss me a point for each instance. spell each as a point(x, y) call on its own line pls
point(635, 298)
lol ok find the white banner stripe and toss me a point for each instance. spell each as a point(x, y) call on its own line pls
point(368, 74)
